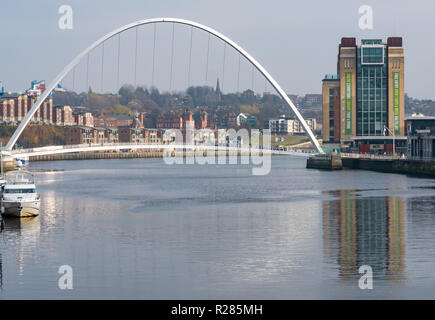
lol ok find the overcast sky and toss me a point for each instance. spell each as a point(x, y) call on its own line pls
point(296, 41)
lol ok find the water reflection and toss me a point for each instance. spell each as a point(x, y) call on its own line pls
point(23, 234)
point(1, 273)
point(1, 264)
point(364, 231)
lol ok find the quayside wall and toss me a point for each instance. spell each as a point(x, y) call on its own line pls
point(326, 162)
point(152, 153)
point(417, 167)
point(406, 166)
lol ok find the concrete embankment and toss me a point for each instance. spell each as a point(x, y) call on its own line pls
point(120, 155)
point(97, 155)
point(9, 163)
point(335, 162)
point(416, 167)
point(326, 162)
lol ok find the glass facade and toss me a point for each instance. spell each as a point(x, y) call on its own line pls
point(371, 41)
point(372, 92)
point(372, 55)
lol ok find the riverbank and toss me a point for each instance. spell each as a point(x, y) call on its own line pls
point(97, 155)
point(403, 166)
point(152, 153)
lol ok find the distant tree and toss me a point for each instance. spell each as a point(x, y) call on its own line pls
point(68, 98)
point(96, 102)
point(254, 110)
point(155, 95)
point(135, 104)
point(118, 109)
point(126, 93)
point(149, 104)
point(248, 97)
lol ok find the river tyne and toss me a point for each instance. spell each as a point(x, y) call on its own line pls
point(142, 229)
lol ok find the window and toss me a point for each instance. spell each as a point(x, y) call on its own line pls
point(372, 54)
point(19, 190)
point(348, 63)
point(395, 63)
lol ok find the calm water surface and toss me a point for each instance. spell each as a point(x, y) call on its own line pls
point(141, 229)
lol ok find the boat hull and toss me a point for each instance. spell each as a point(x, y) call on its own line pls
point(20, 209)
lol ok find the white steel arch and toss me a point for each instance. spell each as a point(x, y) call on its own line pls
point(76, 60)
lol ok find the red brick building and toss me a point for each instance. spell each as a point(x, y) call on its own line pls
point(111, 135)
point(81, 135)
point(172, 120)
point(133, 133)
point(169, 120)
point(15, 106)
point(95, 135)
point(84, 119)
point(112, 120)
point(201, 120)
point(63, 116)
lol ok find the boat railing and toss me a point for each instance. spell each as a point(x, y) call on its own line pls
point(19, 177)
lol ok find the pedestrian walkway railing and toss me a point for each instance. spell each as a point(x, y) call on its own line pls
point(373, 156)
point(120, 146)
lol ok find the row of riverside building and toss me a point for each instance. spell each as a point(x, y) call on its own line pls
point(131, 133)
point(15, 106)
point(137, 133)
point(123, 129)
point(288, 125)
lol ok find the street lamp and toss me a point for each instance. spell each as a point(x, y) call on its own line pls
point(394, 143)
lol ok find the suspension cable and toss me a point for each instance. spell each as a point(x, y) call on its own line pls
point(206, 66)
point(172, 57)
point(238, 74)
point(102, 66)
point(73, 78)
point(135, 61)
point(154, 56)
point(252, 79)
point(223, 69)
point(190, 56)
point(87, 73)
point(119, 55)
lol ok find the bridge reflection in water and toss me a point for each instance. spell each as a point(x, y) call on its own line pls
point(364, 231)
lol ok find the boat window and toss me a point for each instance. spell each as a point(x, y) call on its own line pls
point(19, 191)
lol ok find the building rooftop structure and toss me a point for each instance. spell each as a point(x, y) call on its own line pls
point(119, 116)
point(331, 77)
point(10, 95)
point(136, 124)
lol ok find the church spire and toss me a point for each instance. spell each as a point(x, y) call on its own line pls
point(218, 89)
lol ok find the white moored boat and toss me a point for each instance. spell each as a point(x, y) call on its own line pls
point(19, 197)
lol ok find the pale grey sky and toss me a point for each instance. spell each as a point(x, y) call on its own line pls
point(296, 41)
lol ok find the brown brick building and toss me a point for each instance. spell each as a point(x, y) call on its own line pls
point(364, 103)
point(15, 106)
point(112, 120)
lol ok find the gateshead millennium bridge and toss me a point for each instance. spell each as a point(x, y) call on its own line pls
point(8, 150)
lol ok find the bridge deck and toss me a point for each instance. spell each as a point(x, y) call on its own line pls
point(129, 146)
